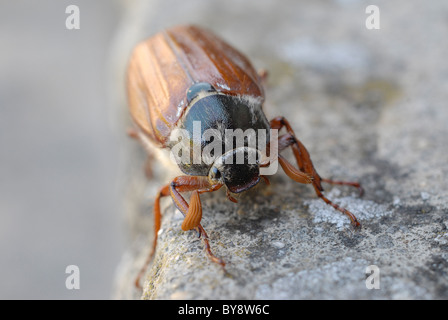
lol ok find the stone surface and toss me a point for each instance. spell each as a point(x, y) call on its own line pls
point(368, 104)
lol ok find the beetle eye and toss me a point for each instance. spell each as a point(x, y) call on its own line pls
point(216, 174)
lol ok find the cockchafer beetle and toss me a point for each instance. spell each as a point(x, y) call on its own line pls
point(186, 74)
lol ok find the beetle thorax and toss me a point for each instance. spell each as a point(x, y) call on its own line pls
point(215, 125)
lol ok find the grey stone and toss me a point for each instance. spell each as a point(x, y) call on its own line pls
point(370, 105)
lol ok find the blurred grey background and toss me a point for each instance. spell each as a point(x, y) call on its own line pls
point(59, 151)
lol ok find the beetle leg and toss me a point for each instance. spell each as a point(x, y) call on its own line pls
point(132, 133)
point(148, 166)
point(209, 252)
point(289, 140)
point(163, 192)
point(346, 183)
point(306, 165)
point(192, 213)
point(293, 173)
point(266, 180)
point(198, 185)
point(263, 74)
point(300, 153)
point(229, 196)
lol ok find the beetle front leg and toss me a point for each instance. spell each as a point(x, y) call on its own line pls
point(163, 192)
point(306, 165)
point(193, 211)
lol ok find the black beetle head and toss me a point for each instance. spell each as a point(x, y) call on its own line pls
point(238, 169)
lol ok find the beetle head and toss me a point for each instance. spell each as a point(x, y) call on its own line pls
point(238, 169)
